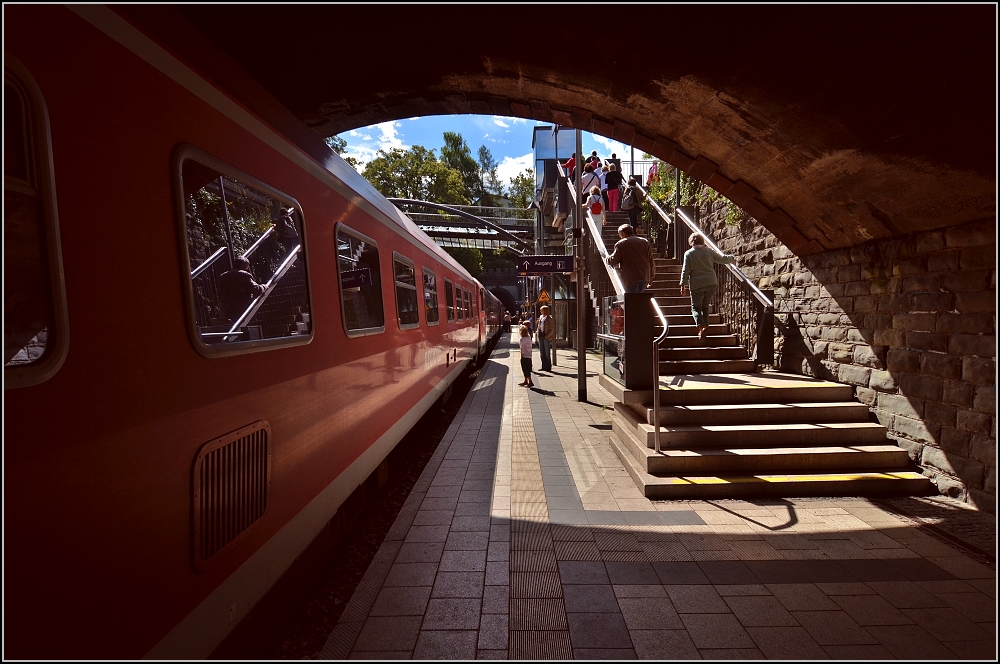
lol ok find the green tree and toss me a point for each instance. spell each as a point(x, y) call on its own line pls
point(492, 187)
point(456, 154)
point(415, 173)
point(469, 258)
point(522, 188)
point(339, 145)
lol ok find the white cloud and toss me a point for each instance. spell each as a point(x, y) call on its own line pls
point(390, 137)
point(511, 166)
point(518, 120)
point(353, 132)
point(500, 123)
point(610, 146)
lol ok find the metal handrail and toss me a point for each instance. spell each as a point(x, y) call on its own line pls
point(260, 240)
point(285, 266)
point(197, 272)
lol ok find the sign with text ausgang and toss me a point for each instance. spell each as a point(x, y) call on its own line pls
point(536, 265)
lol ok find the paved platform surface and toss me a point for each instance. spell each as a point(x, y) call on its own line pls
point(525, 538)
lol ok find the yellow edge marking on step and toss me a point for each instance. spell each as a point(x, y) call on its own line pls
point(776, 479)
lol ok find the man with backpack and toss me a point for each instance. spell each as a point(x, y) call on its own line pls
point(632, 203)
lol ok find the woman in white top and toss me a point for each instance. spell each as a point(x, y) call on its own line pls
point(589, 179)
point(595, 203)
point(525, 343)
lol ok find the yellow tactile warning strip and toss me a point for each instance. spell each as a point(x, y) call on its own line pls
point(756, 479)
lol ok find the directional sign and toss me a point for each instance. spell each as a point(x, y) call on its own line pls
point(350, 279)
point(535, 265)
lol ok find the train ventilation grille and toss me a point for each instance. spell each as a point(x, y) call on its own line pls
point(232, 481)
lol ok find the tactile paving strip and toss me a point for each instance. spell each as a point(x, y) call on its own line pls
point(633, 556)
point(577, 551)
point(665, 551)
point(612, 541)
point(572, 533)
point(535, 584)
point(543, 560)
point(540, 645)
point(537, 614)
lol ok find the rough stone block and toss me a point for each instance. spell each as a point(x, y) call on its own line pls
point(932, 302)
point(916, 265)
point(853, 288)
point(967, 470)
point(848, 373)
point(985, 500)
point(866, 396)
point(973, 422)
point(886, 285)
point(986, 400)
point(954, 441)
point(948, 486)
point(958, 393)
point(927, 341)
point(938, 413)
point(977, 258)
point(912, 447)
point(814, 331)
point(814, 292)
point(928, 242)
point(967, 280)
point(904, 361)
point(964, 323)
point(884, 417)
point(890, 338)
point(839, 352)
point(883, 381)
point(921, 283)
point(920, 387)
point(866, 356)
point(942, 366)
point(864, 304)
point(970, 235)
point(984, 450)
point(855, 335)
point(836, 258)
point(978, 370)
point(971, 302)
point(834, 290)
point(900, 405)
point(849, 273)
point(946, 261)
point(918, 322)
point(832, 333)
point(920, 431)
point(983, 345)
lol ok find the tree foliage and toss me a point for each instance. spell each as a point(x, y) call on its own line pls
point(338, 145)
point(415, 173)
point(457, 155)
point(522, 188)
point(469, 258)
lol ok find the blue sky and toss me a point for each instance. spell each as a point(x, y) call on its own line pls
point(508, 139)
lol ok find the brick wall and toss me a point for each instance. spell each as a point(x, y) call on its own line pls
point(910, 322)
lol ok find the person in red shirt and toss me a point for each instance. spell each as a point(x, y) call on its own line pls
point(569, 166)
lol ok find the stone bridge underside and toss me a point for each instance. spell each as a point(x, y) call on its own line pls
point(830, 125)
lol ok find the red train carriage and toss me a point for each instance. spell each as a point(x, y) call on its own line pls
point(214, 331)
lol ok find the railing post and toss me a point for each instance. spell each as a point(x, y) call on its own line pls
point(680, 237)
point(765, 334)
point(640, 374)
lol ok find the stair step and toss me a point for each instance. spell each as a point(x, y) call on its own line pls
point(686, 319)
point(672, 300)
point(759, 413)
point(692, 330)
point(703, 353)
point(766, 387)
point(713, 365)
point(692, 341)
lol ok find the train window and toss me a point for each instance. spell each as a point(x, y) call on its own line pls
point(449, 301)
point(360, 283)
point(406, 291)
point(248, 283)
point(468, 303)
point(431, 313)
point(36, 322)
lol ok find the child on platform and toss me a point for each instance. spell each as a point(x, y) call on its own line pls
point(525, 344)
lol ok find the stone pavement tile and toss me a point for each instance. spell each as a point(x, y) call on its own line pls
point(577, 551)
point(386, 633)
point(755, 611)
point(844, 653)
point(463, 561)
point(845, 589)
point(947, 624)
point(841, 549)
point(753, 550)
point(537, 644)
point(535, 584)
point(446, 645)
point(871, 610)
point(452, 614)
point(742, 590)
point(498, 551)
point(589, 599)
point(727, 555)
point(419, 552)
point(727, 572)
point(712, 630)
point(433, 504)
point(963, 568)
point(696, 599)
point(909, 642)
point(380, 655)
point(649, 613)
point(660, 644)
point(833, 628)
point(652, 590)
point(427, 534)
point(787, 643)
point(604, 654)
point(496, 599)
point(985, 586)
point(665, 551)
point(538, 560)
point(679, 573)
point(401, 601)
point(953, 586)
point(624, 556)
point(458, 585)
point(537, 615)
point(918, 569)
point(472, 509)
point(571, 533)
point(631, 573)
point(730, 653)
point(598, 630)
point(905, 594)
point(986, 650)
point(874, 570)
point(471, 524)
point(582, 572)
point(466, 541)
point(444, 491)
point(497, 573)
point(493, 632)
point(433, 518)
point(411, 574)
point(492, 654)
point(605, 517)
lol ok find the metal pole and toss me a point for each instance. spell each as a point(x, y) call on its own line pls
point(632, 168)
point(225, 217)
point(581, 332)
point(552, 311)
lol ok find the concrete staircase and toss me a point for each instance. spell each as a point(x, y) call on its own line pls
point(726, 432)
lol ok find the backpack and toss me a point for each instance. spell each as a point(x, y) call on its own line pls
point(629, 201)
point(597, 207)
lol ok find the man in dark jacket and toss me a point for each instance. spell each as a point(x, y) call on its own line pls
point(634, 259)
point(237, 290)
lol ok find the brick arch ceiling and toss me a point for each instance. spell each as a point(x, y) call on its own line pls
point(832, 125)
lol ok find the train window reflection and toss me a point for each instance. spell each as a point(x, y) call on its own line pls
point(246, 255)
point(360, 283)
point(406, 292)
point(449, 301)
point(36, 323)
point(431, 313)
point(468, 303)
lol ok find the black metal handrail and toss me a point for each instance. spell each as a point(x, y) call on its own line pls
point(745, 307)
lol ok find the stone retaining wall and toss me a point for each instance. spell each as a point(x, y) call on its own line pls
point(910, 322)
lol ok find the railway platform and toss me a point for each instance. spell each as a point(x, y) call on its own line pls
point(526, 538)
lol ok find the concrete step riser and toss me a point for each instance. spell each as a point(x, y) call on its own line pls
point(760, 414)
point(737, 395)
point(873, 435)
point(688, 354)
point(692, 341)
point(692, 330)
point(711, 365)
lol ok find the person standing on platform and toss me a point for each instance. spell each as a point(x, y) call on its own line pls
point(546, 335)
point(634, 259)
point(698, 277)
point(525, 344)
